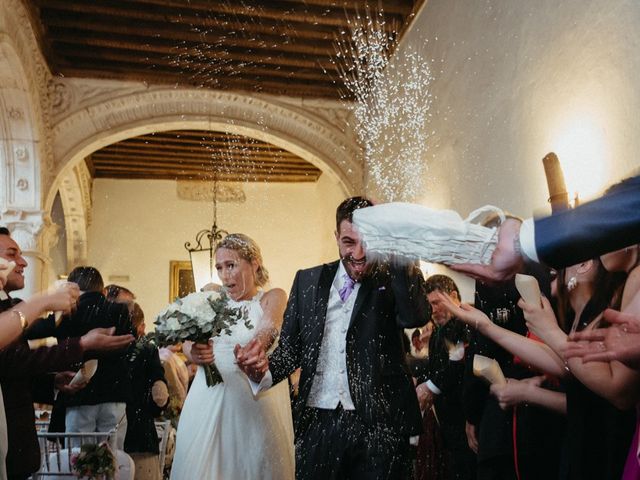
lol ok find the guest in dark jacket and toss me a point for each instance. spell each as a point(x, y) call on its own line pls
point(443, 385)
point(528, 439)
point(101, 405)
point(149, 396)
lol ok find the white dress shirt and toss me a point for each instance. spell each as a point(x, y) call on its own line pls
point(330, 385)
point(528, 240)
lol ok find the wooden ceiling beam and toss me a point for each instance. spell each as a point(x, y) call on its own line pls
point(230, 178)
point(222, 144)
point(400, 7)
point(275, 11)
point(102, 161)
point(217, 38)
point(207, 150)
point(81, 51)
point(173, 49)
point(245, 173)
point(151, 158)
point(126, 71)
point(130, 11)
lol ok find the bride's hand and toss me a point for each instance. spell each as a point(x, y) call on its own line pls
point(252, 359)
point(465, 313)
point(202, 353)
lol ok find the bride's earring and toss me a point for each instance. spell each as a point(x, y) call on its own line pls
point(572, 283)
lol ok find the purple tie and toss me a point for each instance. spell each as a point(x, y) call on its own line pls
point(346, 289)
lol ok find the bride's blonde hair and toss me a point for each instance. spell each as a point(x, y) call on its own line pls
point(248, 250)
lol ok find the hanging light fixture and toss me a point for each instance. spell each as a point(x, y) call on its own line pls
point(202, 253)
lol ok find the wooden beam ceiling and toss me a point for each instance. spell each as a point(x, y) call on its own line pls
point(284, 47)
point(200, 155)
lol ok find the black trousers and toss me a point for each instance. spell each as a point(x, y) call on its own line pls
point(337, 444)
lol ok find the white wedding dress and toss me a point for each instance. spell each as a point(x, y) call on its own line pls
point(225, 432)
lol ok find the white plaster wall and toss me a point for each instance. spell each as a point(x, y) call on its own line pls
point(517, 79)
point(139, 226)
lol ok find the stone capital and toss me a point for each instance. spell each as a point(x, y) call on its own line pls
point(25, 226)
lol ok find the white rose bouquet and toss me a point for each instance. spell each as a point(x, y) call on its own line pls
point(198, 317)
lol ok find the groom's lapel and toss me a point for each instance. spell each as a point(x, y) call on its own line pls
point(322, 294)
point(363, 293)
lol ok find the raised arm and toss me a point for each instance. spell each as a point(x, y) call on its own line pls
point(412, 306)
point(23, 315)
point(534, 353)
point(273, 304)
point(613, 381)
point(529, 390)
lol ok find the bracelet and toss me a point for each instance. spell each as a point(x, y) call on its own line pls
point(23, 320)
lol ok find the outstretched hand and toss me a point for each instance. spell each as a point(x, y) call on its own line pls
point(505, 261)
point(619, 342)
point(252, 360)
point(64, 299)
point(466, 313)
point(102, 339)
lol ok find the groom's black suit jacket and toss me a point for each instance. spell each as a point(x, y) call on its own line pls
point(379, 381)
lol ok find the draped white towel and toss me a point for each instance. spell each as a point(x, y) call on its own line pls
point(437, 236)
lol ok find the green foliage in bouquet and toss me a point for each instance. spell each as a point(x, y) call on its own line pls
point(199, 317)
point(94, 461)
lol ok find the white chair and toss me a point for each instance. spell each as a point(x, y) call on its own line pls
point(56, 460)
point(163, 429)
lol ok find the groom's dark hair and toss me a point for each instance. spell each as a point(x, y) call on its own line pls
point(345, 209)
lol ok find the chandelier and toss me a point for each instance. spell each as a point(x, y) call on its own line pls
point(201, 253)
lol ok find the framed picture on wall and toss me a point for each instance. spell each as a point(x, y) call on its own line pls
point(180, 279)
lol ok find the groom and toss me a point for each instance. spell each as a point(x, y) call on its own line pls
point(356, 406)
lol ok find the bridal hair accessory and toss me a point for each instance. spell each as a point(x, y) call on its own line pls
point(437, 236)
point(572, 283)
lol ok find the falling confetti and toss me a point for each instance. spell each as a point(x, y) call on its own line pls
point(391, 105)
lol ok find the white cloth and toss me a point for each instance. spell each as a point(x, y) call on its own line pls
point(227, 433)
point(415, 231)
point(330, 385)
point(528, 240)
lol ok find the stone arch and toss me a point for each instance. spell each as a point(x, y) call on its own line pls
point(89, 125)
point(89, 115)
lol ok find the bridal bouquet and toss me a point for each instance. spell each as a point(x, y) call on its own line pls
point(198, 317)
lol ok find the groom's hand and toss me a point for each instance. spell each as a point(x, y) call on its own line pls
point(506, 260)
point(252, 360)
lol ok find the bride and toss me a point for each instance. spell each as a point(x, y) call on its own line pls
point(224, 431)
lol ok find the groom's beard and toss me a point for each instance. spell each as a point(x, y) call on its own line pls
point(356, 268)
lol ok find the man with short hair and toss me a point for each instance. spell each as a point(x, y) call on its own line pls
point(356, 407)
point(443, 385)
point(119, 294)
point(19, 366)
